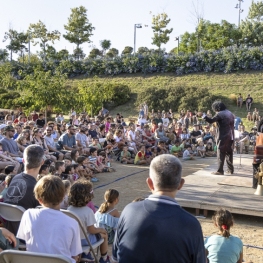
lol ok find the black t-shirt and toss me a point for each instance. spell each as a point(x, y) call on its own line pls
point(195, 133)
point(93, 134)
point(21, 192)
point(40, 123)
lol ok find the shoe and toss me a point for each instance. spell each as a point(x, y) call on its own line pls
point(104, 261)
point(217, 173)
point(94, 179)
point(229, 172)
point(87, 257)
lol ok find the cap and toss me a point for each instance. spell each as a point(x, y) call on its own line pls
point(2, 126)
point(9, 128)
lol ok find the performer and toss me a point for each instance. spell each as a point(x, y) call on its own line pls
point(224, 137)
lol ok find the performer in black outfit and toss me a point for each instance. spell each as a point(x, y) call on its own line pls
point(224, 137)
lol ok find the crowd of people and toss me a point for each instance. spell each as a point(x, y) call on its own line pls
point(54, 163)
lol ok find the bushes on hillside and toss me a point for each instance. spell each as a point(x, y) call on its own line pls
point(225, 60)
point(178, 98)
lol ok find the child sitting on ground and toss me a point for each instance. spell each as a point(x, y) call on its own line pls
point(201, 149)
point(79, 196)
point(176, 149)
point(140, 157)
point(209, 150)
point(187, 155)
point(126, 156)
point(107, 216)
point(62, 236)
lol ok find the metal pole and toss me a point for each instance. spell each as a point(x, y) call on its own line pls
point(29, 48)
point(134, 47)
point(239, 13)
point(178, 46)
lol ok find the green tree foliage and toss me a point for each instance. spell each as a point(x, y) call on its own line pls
point(160, 31)
point(256, 11)
point(34, 59)
point(127, 50)
point(3, 55)
point(209, 36)
point(78, 53)
point(79, 29)
point(252, 27)
point(42, 89)
point(7, 81)
point(143, 50)
point(105, 45)
point(39, 34)
point(95, 52)
point(17, 42)
point(113, 52)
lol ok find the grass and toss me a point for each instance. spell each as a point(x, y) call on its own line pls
point(227, 85)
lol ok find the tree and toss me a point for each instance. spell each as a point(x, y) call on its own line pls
point(143, 50)
point(252, 27)
point(256, 11)
point(3, 55)
point(39, 31)
point(95, 52)
point(79, 29)
point(105, 45)
point(78, 53)
point(42, 89)
point(63, 54)
point(127, 50)
point(161, 33)
point(113, 52)
point(17, 41)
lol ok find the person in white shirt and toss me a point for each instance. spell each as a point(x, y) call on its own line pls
point(166, 121)
point(61, 235)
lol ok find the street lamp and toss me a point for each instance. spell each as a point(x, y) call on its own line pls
point(177, 39)
point(240, 10)
point(135, 26)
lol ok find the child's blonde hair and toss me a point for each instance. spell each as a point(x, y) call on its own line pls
point(21, 138)
point(110, 196)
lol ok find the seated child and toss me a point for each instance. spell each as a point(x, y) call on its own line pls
point(187, 155)
point(80, 195)
point(140, 157)
point(176, 149)
point(126, 156)
point(148, 153)
point(209, 150)
point(62, 236)
point(223, 247)
point(161, 148)
point(107, 216)
point(201, 149)
point(64, 203)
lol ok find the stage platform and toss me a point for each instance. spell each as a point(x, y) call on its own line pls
point(205, 191)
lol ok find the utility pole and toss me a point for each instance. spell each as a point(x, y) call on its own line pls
point(177, 39)
point(240, 10)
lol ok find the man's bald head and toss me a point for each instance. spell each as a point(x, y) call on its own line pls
point(166, 172)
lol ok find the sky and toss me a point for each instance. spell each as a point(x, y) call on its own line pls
point(114, 20)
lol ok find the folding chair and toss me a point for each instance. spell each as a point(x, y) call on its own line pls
point(90, 247)
point(16, 256)
point(12, 213)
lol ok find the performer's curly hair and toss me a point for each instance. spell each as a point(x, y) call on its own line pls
point(218, 106)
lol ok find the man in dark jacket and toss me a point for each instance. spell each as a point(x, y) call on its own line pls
point(224, 137)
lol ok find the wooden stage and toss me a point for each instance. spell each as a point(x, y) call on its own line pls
point(205, 191)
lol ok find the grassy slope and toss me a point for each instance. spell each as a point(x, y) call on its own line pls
point(223, 84)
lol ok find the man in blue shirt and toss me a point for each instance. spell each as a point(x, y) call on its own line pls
point(158, 229)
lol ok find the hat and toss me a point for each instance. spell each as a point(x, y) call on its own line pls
point(9, 128)
point(2, 126)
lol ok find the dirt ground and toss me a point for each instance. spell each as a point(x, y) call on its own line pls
point(129, 180)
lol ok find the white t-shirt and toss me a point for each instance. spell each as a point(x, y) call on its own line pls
point(85, 214)
point(165, 122)
point(83, 138)
point(140, 121)
point(50, 231)
point(131, 135)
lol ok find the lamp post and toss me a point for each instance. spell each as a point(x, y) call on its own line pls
point(135, 26)
point(240, 10)
point(177, 39)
